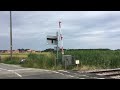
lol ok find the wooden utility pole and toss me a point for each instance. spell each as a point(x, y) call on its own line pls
point(11, 35)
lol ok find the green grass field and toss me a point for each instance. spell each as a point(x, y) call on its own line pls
point(89, 59)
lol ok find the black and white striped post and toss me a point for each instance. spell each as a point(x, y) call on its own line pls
point(61, 38)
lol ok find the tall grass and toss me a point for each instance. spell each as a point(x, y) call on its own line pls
point(5, 58)
point(15, 60)
point(97, 58)
point(88, 58)
point(40, 61)
point(33, 60)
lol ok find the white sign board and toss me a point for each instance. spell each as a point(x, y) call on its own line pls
point(77, 62)
point(52, 40)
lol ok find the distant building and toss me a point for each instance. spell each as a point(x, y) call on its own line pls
point(19, 51)
point(32, 51)
point(4, 51)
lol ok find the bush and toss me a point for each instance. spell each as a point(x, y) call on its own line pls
point(40, 61)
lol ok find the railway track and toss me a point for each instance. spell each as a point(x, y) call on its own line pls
point(108, 73)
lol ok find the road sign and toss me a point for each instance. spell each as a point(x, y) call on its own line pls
point(52, 40)
point(77, 62)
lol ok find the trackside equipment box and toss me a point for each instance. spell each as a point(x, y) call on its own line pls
point(68, 60)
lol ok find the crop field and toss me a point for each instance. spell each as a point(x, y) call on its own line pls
point(97, 58)
point(3, 56)
point(22, 55)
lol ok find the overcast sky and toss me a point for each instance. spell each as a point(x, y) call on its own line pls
point(81, 29)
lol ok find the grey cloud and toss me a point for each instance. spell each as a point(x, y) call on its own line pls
point(86, 29)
